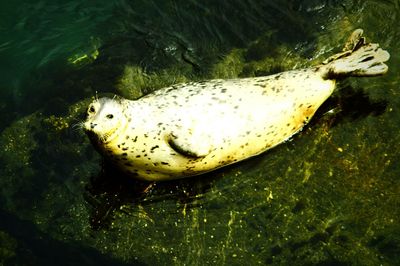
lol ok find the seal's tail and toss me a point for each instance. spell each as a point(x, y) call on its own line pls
point(358, 59)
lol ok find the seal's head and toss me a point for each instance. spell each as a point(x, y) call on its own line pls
point(105, 120)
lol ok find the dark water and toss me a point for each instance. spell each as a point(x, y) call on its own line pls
point(330, 196)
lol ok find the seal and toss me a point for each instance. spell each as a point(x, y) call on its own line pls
point(192, 128)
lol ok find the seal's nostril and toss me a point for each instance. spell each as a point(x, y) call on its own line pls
point(92, 125)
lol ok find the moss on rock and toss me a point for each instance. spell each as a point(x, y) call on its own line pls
point(8, 246)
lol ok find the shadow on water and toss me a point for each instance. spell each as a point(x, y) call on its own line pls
point(37, 248)
point(111, 189)
point(346, 105)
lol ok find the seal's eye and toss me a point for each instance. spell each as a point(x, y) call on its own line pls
point(110, 116)
point(91, 109)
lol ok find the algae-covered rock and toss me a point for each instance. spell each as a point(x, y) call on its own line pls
point(135, 82)
point(230, 66)
point(261, 58)
point(38, 144)
point(8, 246)
point(17, 145)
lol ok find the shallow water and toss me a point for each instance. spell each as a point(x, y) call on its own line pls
point(330, 196)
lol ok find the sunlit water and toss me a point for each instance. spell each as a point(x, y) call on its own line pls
point(329, 196)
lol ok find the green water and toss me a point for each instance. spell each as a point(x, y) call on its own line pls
point(330, 196)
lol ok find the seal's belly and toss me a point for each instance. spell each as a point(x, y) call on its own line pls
point(221, 121)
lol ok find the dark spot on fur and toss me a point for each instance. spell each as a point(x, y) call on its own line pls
point(153, 148)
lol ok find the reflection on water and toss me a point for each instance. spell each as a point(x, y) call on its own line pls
point(327, 197)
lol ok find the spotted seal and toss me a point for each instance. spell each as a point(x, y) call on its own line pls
point(192, 128)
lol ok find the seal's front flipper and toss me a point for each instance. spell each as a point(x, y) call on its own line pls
point(194, 147)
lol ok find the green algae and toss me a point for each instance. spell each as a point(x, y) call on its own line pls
point(134, 82)
point(8, 246)
point(83, 58)
point(231, 66)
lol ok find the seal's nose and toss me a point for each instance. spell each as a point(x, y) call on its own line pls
point(92, 125)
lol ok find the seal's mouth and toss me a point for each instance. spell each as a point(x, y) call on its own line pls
point(98, 138)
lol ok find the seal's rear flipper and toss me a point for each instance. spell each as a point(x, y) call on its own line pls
point(361, 60)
